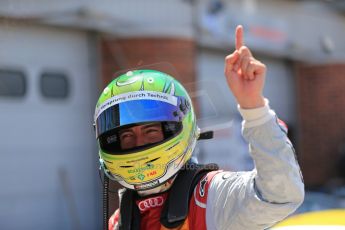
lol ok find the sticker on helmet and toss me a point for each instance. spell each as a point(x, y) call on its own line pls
point(152, 173)
point(146, 185)
point(137, 95)
point(141, 176)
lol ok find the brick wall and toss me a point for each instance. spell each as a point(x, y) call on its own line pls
point(321, 106)
point(121, 54)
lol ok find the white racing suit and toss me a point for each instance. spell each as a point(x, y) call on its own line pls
point(273, 190)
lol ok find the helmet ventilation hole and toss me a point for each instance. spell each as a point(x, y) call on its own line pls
point(150, 80)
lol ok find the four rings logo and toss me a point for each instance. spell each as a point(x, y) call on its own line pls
point(151, 203)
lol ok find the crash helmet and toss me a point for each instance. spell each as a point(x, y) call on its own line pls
point(139, 98)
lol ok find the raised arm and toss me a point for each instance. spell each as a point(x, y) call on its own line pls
point(274, 189)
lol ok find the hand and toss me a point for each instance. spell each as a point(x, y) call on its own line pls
point(245, 75)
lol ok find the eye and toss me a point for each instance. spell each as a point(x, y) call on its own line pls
point(154, 134)
point(127, 140)
point(126, 135)
point(151, 130)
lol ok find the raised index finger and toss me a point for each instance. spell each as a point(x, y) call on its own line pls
point(239, 37)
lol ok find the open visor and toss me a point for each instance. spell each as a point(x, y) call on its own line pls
point(140, 111)
point(110, 141)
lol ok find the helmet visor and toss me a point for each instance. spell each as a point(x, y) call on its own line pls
point(140, 111)
point(111, 141)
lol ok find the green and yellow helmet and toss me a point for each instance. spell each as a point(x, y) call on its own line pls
point(139, 97)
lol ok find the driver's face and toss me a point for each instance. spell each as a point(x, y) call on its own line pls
point(141, 135)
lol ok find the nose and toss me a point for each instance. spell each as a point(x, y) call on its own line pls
point(140, 140)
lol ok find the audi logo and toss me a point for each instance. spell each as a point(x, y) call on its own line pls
point(151, 203)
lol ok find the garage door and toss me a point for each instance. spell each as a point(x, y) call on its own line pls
point(48, 171)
